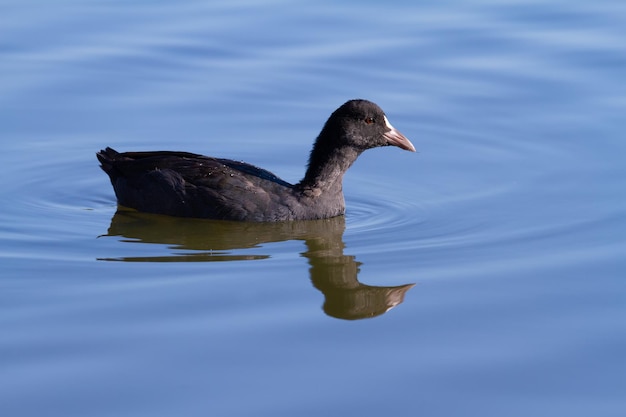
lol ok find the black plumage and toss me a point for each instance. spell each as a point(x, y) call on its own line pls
point(190, 185)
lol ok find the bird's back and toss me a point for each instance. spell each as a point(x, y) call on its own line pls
point(191, 185)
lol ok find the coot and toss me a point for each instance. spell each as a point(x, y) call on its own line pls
point(189, 185)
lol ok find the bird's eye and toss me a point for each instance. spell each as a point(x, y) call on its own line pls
point(370, 120)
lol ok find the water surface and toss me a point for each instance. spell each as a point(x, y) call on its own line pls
point(481, 276)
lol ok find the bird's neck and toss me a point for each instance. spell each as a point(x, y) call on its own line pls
point(324, 174)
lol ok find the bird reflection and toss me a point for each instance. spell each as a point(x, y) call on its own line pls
point(332, 272)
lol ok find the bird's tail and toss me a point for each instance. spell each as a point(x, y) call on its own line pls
point(107, 158)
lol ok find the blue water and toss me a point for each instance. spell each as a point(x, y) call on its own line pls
point(510, 220)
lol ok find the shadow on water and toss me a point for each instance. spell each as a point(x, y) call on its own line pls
point(332, 272)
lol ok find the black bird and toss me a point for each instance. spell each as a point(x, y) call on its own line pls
point(189, 185)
